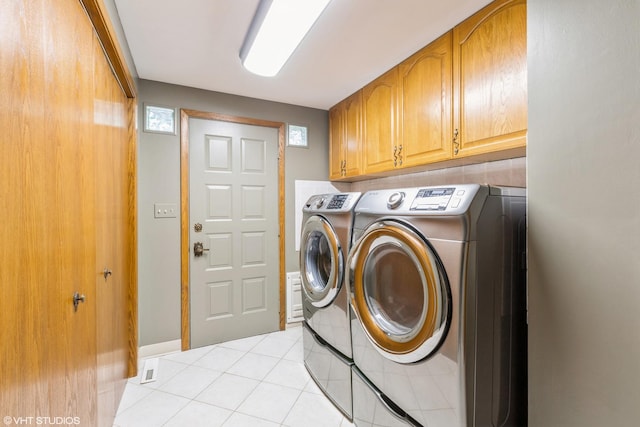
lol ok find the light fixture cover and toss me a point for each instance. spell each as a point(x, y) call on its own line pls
point(276, 30)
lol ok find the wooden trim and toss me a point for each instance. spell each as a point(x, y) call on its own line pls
point(282, 218)
point(99, 17)
point(238, 119)
point(185, 316)
point(132, 170)
point(185, 115)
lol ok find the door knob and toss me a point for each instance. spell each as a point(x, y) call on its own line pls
point(77, 299)
point(199, 249)
point(106, 273)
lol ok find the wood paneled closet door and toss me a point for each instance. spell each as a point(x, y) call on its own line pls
point(113, 238)
point(64, 192)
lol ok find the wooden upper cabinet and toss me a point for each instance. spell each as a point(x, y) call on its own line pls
point(345, 123)
point(464, 94)
point(380, 112)
point(490, 79)
point(407, 111)
point(336, 141)
point(353, 135)
point(425, 104)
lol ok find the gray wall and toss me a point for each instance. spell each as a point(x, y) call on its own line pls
point(584, 212)
point(117, 27)
point(159, 181)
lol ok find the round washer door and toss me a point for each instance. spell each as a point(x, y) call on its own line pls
point(321, 261)
point(400, 291)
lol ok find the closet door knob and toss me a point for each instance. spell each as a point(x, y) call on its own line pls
point(77, 299)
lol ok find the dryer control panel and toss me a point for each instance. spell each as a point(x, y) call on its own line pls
point(448, 199)
point(444, 200)
point(434, 199)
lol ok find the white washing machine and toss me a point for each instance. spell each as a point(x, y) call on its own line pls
point(324, 244)
point(438, 286)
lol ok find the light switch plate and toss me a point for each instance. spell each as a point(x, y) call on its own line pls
point(165, 210)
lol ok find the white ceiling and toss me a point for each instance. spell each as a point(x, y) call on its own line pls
point(196, 43)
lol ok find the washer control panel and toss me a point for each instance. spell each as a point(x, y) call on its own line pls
point(337, 202)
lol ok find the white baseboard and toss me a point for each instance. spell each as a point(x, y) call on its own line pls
point(159, 349)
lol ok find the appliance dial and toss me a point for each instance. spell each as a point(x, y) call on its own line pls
point(395, 200)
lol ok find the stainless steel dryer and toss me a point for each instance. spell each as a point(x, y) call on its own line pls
point(438, 288)
point(324, 245)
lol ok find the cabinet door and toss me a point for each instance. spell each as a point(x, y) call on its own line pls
point(336, 141)
point(425, 99)
point(353, 134)
point(379, 100)
point(490, 79)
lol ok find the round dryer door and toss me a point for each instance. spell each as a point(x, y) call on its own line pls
point(400, 292)
point(321, 261)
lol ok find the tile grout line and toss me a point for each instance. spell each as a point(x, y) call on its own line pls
point(263, 381)
point(292, 350)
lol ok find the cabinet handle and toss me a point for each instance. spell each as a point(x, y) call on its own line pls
point(456, 145)
point(395, 156)
point(400, 154)
point(343, 168)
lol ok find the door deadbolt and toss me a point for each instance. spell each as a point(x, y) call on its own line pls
point(77, 299)
point(199, 249)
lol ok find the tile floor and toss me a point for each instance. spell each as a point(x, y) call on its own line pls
point(252, 382)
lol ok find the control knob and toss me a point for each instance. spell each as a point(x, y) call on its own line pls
point(395, 200)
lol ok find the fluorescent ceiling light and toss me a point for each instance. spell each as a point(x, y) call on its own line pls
point(277, 29)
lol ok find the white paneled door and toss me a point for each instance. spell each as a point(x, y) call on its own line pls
point(233, 208)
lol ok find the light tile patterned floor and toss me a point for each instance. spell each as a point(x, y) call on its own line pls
point(253, 382)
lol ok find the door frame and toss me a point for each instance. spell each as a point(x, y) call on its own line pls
point(185, 115)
